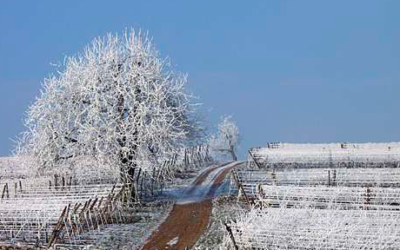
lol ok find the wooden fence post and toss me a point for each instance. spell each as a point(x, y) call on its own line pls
point(240, 187)
point(57, 228)
point(229, 229)
point(334, 178)
point(367, 197)
point(329, 178)
point(5, 190)
point(55, 181)
point(257, 164)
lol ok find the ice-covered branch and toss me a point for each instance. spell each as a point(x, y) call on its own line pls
point(118, 102)
point(227, 138)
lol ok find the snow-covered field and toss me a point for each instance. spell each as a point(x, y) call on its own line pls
point(308, 228)
point(129, 236)
point(324, 207)
point(303, 198)
point(33, 207)
point(84, 207)
point(326, 154)
point(349, 177)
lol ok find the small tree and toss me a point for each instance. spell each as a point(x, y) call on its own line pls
point(117, 103)
point(227, 138)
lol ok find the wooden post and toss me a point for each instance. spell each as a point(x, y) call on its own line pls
point(55, 181)
point(101, 201)
point(46, 234)
point(334, 178)
point(76, 208)
point(229, 229)
point(367, 197)
point(260, 191)
point(329, 178)
point(82, 214)
point(257, 164)
point(94, 203)
point(261, 194)
point(67, 220)
point(240, 187)
point(57, 228)
point(4, 191)
point(74, 225)
point(273, 174)
point(8, 193)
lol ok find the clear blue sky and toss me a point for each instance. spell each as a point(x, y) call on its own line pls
point(292, 71)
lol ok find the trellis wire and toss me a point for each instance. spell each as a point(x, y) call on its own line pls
point(324, 196)
point(284, 228)
point(351, 177)
point(284, 155)
point(32, 216)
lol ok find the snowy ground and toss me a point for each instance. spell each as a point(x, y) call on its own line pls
point(225, 209)
point(131, 236)
point(202, 191)
point(126, 236)
point(187, 222)
point(334, 153)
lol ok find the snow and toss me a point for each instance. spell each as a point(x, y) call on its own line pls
point(290, 228)
point(40, 203)
point(202, 191)
point(224, 209)
point(329, 153)
point(173, 241)
point(328, 207)
point(117, 103)
point(130, 236)
point(225, 142)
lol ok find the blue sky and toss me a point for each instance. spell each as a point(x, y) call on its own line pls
point(291, 71)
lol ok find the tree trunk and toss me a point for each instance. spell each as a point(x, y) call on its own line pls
point(233, 154)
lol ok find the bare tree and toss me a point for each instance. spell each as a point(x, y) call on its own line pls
point(118, 103)
point(227, 138)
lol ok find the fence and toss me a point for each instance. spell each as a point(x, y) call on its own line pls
point(38, 216)
point(339, 155)
point(326, 196)
point(316, 229)
point(329, 197)
point(352, 177)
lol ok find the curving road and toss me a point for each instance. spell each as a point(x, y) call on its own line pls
point(190, 215)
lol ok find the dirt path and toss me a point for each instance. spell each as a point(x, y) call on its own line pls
point(188, 221)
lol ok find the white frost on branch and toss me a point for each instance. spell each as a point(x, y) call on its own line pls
point(226, 140)
point(118, 102)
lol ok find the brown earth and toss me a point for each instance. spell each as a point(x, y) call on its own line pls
point(186, 222)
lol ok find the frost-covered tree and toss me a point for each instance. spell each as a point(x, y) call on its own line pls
point(226, 140)
point(118, 103)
